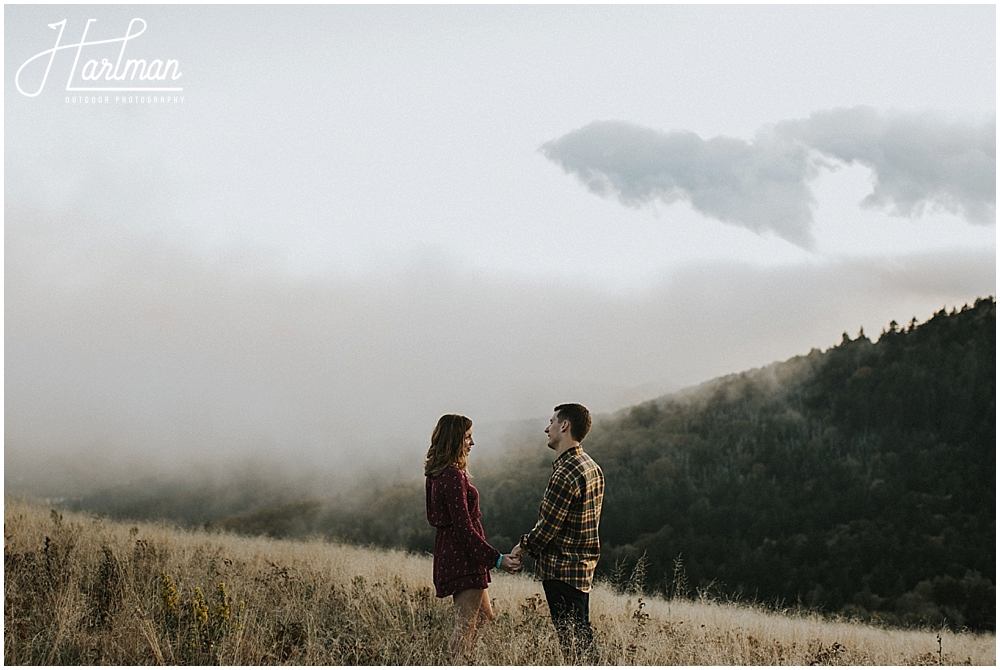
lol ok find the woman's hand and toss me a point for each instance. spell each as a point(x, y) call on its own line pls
point(510, 563)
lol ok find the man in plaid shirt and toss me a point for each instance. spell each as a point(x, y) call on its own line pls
point(564, 541)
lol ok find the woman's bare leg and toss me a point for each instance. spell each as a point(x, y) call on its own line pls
point(484, 619)
point(472, 614)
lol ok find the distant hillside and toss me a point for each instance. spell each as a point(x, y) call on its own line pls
point(858, 480)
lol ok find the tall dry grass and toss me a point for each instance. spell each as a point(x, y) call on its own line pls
point(82, 590)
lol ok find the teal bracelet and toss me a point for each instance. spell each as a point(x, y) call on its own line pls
point(499, 560)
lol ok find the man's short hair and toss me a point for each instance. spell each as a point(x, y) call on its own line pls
point(578, 417)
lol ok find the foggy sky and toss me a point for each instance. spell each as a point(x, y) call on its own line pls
point(123, 344)
point(349, 228)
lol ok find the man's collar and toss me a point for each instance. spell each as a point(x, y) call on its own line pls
point(574, 449)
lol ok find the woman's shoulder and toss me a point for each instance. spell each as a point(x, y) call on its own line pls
point(450, 474)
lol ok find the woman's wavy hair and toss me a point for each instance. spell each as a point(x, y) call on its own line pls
point(447, 442)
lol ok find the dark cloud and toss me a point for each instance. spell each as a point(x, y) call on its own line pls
point(758, 184)
point(917, 161)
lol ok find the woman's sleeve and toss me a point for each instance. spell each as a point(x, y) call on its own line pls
point(456, 493)
point(428, 501)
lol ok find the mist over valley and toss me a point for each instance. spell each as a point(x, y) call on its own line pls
point(772, 283)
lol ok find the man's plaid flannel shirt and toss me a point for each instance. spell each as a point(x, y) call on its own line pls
point(564, 542)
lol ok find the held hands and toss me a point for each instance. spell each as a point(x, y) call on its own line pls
point(509, 563)
point(512, 562)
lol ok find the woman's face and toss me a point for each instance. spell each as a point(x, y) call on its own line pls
point(467, 442)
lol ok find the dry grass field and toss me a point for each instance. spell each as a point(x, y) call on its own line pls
point(82, 590)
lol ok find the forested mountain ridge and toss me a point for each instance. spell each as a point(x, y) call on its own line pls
point(859, 480)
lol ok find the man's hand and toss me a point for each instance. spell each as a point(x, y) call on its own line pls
point(510, 563)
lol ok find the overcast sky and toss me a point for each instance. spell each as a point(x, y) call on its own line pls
point(361, 218)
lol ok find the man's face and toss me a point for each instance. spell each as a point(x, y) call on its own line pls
point(556, 430)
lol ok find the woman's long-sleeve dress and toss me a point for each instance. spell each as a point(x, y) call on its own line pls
point(462, 556)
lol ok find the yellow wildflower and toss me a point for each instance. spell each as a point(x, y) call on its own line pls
point(200, 608)
point(221, 603)
point(168, 593)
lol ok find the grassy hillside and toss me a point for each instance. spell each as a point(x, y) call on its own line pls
point(857, 481)
point(85, 590)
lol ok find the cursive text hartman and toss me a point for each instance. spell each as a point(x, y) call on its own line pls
point(93, 71)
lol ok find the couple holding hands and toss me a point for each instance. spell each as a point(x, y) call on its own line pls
point(564, 541)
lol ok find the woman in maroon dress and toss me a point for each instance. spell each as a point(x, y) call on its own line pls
point(462, 556)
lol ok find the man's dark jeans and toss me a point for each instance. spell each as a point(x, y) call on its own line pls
point(570, 609)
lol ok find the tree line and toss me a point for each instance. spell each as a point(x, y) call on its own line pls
point(858, 480)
